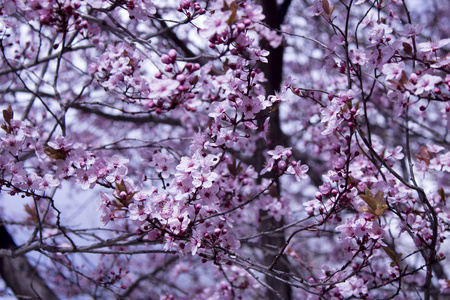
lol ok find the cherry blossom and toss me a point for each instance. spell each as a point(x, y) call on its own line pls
point(233, 149)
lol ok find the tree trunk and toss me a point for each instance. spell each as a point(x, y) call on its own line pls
point(20, 275)
point(272, 243)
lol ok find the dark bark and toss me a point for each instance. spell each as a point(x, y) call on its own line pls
point(20, 275)
point(272, 243)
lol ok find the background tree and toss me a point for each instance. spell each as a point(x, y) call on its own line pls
point(279, 149)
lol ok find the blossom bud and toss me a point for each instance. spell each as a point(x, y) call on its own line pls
point(330, 96)
point(181, 78)
point(318, 196)
point(173, 55)
point(185, 4)
point(282, 165)
point(217, 231)
point(337, 148)
point(165, 59)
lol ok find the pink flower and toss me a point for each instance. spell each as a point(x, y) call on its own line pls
point(187, 164)
point(86, 179)
point(393, 71)
point(358, 56)
point(164, 164)
point(203, 179)
point(49, 181)
point(311, 206)
point(412, 30)
point(379, 32)
point(163, 88)
point(280, 152)
point(442, 62)
point(352, 287)
point(254, 12)
point(258, 54)
point(250, 106)
point(209, 195)
point(396, 153)
point(137, 212)
point(104, 207)
point(298, 170)
point(216, 24)
point(433, 45)
point(314, 10)
point(217, 109)
point(426, 83)
point(117, 174)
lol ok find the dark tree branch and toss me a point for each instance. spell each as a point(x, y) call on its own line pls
point(125, 118)
point(273, 71)
point(20, 275)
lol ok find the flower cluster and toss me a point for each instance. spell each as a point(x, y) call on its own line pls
point(328, 171)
